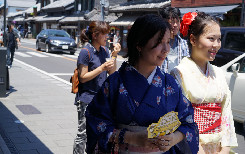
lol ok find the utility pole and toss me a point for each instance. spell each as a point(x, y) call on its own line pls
point(242, 15)
point(4, 23)
point(102, 3)
point(79, 9)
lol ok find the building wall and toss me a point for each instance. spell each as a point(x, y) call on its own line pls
point(195, 3)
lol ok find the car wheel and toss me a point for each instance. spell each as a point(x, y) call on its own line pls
point(47, 48)
point(72, 52)
point(37, 46)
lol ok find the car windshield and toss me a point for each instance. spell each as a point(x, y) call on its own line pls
point(58, 33)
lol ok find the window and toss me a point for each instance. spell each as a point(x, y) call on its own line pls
point(235, 41)
point(87, 5)
point(46, 2)
point(57, 33)
point(45, 32)
point(41, 33)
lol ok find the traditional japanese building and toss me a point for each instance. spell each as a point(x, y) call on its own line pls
point(228, 11)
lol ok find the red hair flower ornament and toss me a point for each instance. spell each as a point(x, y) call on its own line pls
point(186, 21)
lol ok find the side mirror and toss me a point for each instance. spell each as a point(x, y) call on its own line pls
point(235, 67)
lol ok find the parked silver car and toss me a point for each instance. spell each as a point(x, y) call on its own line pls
point(235, 76)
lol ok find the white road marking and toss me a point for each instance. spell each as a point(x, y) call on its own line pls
point(52, 55)
point(22, 54)
point(27, 41)
point(56, 74)
point(37, 54)
point(43, 72)
point(71, 56)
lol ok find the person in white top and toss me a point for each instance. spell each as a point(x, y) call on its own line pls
point(116, 38)
point(205, 84)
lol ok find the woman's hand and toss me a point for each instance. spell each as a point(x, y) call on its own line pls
point(116, 49)
point(107, 65)
point(165, 142)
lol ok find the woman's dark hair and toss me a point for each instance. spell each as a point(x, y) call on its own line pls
point(95, 27)
point(143, 29)
point(198, 24)
point(170, 13)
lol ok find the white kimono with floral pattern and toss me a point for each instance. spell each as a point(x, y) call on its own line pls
point(208, 88)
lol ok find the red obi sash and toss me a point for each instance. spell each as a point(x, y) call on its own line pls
point(208, 117)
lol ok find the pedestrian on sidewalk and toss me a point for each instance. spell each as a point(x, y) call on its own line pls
point(137, 96)
point(111, 37)
point(12, 42)
point(179, 48)
point(116, 38)
point(92, 71)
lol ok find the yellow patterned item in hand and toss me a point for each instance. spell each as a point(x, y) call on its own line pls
point(166, 124)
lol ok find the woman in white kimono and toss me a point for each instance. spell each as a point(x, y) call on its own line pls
point(205, 85)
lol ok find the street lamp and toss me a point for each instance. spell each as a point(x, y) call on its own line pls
point(102, 3)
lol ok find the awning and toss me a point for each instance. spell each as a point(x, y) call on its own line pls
point(109, 18)
point(124, 21)
point(217, 11)
point(50, 19)
point(68, 27)
point(35, 18)
point(142, 6)
point(72, 19)
point(19, 19)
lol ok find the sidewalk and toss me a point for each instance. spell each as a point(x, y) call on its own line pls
point(38, 115)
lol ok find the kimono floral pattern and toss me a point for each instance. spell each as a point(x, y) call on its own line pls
point(106, 89)
point(158, 100)
point(122, 90)
point(189, 119)
point(136, 103)
point(189, 136)
point(157, 81)
point(168, 90)
point(186, 101)
point(101, 127)
point(225, 121)
point(129, 68)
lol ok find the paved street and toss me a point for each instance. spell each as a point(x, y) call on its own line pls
point(38, 115)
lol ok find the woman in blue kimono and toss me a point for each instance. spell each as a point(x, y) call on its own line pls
point(139, 94)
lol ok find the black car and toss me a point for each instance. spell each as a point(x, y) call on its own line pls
point(232, 45)
point(55, 40)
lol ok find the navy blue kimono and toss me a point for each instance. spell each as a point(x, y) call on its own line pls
point(126, 97)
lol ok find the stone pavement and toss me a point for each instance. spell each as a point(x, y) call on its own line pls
point(37, 115)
